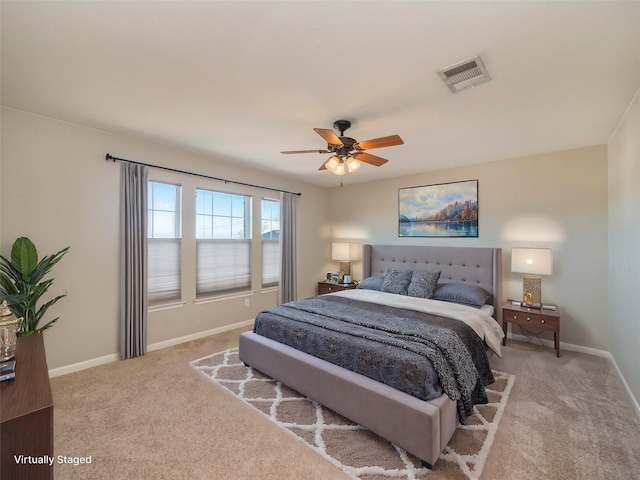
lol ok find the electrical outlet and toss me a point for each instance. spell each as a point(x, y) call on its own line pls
point(246, 302)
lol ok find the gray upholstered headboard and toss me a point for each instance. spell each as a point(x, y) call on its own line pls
point(478, 266)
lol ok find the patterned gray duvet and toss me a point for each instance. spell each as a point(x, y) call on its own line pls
point(418, 353)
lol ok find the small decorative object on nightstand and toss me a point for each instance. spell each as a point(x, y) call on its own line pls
point(329, 287)
point(544, 319)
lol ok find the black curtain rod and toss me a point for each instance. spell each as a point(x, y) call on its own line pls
point(116, 159)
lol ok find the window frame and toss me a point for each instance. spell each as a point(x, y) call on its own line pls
point(164, 247)
point(266, 274)
point(209, 284)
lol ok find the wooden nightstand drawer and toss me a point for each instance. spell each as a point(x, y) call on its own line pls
point(544, 319)
point(328, 287)
point(533, 319)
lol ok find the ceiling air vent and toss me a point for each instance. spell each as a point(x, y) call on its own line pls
point(465, 74)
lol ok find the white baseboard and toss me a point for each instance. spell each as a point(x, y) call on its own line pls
point(564, 346)
point(634, 402)
point(588, 351)
point(94, 362)
point(195, 336)
point(76, 367)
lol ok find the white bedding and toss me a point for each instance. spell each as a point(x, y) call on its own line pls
point(484, 325)
point(488, 309)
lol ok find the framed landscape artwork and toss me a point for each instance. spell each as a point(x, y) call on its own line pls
point(442, 210)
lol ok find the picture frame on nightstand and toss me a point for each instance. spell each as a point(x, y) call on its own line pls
point(333, 277)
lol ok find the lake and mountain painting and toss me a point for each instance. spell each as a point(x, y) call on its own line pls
point(443, 210)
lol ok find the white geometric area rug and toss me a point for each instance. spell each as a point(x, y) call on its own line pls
point(358, 452)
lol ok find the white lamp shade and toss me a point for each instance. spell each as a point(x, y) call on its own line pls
point(535, 261)
point(345, 251)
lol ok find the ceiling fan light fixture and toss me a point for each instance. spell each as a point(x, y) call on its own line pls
point(347, 153)
point(353, 164)
point(332, 164)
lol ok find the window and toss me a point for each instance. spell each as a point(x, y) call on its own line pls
point(164, 242)
point(223, 242)
point(270, 230)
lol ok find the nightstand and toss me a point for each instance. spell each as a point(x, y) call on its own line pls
point(532, 317)
point(329, 287)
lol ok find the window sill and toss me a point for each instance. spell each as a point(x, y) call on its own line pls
point(269, 289)
point(222, 298)
point(166, 306)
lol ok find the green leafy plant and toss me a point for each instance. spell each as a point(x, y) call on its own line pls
point(22, 284)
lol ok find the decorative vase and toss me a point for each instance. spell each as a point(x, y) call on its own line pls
point(9, 326)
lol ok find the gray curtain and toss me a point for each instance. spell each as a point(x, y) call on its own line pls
point(287, 287)
point(133, 260)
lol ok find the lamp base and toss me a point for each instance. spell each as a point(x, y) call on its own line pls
point(531, 291)
point(345, 269)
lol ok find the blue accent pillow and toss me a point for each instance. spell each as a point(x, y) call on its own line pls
point(423, 284)
point(462, 293)
point(371, 283)
point(397, 281)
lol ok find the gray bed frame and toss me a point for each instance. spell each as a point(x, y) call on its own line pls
point(422, 428)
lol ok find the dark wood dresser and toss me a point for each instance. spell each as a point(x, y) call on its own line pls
point(26, 414)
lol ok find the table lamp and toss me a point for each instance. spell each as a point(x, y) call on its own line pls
point(533, 262)
point(345, 253)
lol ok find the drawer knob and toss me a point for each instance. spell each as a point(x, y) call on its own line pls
point(541, 321)
point(528, 319)
point(515, 316)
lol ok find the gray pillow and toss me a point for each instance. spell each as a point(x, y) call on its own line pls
point(462, 293)
point(423, 284)
point(371, 283)
point(397, 281)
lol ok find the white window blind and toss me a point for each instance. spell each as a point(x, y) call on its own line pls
point(270, 262)
point(222, 266)
point(164, 278)
point(164, 243)
point(223, 242)
point(270, 224)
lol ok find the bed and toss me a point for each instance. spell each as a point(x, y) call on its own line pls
point(421, 427)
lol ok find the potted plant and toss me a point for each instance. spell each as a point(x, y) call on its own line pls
point(22, 284)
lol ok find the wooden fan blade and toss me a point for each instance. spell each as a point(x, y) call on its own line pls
point(370, 159)
point(306, 151)
point(389, 141)
point(328, 136)
point(323, 166)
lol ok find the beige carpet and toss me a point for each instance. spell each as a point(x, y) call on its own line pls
point(157, 417)
point(356, 451)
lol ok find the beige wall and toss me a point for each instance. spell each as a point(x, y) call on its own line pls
point(556, 200)
point(58, 190)
point(624, 241)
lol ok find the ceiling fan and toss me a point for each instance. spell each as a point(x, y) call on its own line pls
point(347, 152)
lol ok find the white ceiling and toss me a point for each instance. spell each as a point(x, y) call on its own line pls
point(241, 81)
